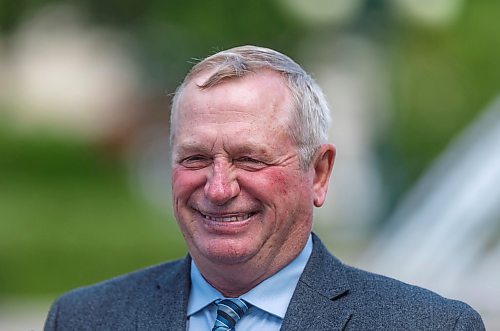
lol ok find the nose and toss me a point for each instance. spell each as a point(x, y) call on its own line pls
point(222, 184)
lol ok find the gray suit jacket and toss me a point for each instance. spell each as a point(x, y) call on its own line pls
point(329, 296)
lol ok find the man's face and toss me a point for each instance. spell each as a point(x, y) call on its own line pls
point(239, 193)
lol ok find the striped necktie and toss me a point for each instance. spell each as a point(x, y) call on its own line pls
point(229, 311)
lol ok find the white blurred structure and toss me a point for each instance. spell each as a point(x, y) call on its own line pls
point(429, 13)
point(322, 12)
point(149, 164)
point(351, 71)
point(62, 75)
point(23, 314)
point(445, 233)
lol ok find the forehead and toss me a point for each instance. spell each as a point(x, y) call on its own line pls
point(254, 109)
point(263, 93)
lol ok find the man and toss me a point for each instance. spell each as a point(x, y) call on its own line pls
point(250, 162)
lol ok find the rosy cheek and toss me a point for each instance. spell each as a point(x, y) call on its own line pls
point(280, 181)
point(177, 175)
point(270, 181)
point(184, 181)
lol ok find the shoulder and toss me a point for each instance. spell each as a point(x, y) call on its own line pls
point(382, 290)
point(127, 285)
point(385, 302)
point(379, 297)
point(117, 299)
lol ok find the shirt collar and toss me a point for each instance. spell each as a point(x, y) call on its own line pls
point(272, 295)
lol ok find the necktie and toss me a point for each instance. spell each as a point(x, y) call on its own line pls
point(229, 311)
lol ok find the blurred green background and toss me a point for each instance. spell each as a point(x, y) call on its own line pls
point(77, 204)
point(68, 218)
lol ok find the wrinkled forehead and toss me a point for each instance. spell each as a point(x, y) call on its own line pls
point(259, 102)
point(264, 92)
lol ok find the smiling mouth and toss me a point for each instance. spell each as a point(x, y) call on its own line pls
point(228, 218)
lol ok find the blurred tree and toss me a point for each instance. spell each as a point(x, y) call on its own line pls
point(442, 79)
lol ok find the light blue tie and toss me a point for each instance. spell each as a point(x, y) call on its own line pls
point(229, 311)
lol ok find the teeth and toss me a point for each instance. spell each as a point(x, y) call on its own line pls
point(237, 218)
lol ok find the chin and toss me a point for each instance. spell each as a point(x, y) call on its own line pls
point(228, 251)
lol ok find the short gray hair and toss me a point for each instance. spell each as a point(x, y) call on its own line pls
point(310, 115)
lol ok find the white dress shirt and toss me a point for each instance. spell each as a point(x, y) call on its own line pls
point(269, 299)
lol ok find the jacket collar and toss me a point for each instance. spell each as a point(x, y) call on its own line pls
point(166, 304)
point(319, 301)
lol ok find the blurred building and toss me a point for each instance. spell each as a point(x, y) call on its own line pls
point(444, 235)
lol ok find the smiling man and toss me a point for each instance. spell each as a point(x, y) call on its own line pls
point(250, 162)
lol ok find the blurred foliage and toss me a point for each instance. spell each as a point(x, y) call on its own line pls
point(441, 80)
point(68, 218)
point(167, 34)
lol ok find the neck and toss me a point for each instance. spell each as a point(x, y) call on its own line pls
point(235, 279)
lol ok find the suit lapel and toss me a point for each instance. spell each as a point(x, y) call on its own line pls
point(165, 304)
point(321, 298)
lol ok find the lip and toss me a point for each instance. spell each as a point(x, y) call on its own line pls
point(226, 223)
point(226, 217)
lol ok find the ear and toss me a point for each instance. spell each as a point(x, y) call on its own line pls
point(322, 167)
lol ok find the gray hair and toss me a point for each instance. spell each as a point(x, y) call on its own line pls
point(310, 118)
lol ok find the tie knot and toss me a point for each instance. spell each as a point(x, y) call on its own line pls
point(229, 311)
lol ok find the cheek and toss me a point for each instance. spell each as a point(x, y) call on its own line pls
point(275, 184)
point(280, 182)
point(184, 182)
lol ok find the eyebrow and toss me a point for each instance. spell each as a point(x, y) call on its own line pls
point(190, 147)
point(248, 147)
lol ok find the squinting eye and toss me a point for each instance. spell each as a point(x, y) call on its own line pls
point(249, 163)
point(195, 161)
point(248, 159)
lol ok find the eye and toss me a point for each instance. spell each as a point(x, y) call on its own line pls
point(196, 161)
point(249, 163)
